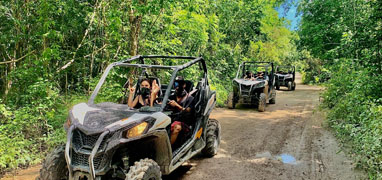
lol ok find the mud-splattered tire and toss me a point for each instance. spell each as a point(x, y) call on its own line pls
point(54, 166)
point(289, 86)
point(144, 169)
point(231, 102)
point(277, 86)
point(212, 139)
point(262, 102)
point(294, 86)
point(273, 100)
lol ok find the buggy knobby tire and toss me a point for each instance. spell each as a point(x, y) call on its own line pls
point(212, 139)
point(144, 169)
point(262, 102)
point(273, 100)
point(231, 101)
point(294, 86)
point(54, 166)
point(289, 85)
point(277, 86)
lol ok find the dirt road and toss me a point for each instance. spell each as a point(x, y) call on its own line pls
point(288, 141)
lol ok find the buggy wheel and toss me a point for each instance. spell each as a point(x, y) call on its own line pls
point(294, 86)
point(289, 86)
point(54, 166)
point(144, 169)
point(273, 100)
point(212, 139)
point(262, 102)
point(231, 102)
point(277, 86)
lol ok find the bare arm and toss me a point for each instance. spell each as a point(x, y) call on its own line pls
point(130, 102)
point(178, 106)
point(154, 93)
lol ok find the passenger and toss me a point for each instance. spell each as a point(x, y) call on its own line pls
point(146, 94)
point(182, 105)
point(249, 75)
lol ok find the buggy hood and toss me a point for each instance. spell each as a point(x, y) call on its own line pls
point(285, 75)
point(256, 83)
point(97, 118)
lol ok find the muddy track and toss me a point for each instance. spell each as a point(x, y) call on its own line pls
point(288, 141)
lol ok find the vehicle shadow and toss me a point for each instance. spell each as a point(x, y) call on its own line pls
point(185, 169)
point(179, 172)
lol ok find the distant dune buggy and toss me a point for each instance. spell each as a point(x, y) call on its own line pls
point(254, 85)
point(285, 76)
point(107, 140)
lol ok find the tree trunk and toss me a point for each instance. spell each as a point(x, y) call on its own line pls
point(135, 29)
point(134, 34)
point(9, 81)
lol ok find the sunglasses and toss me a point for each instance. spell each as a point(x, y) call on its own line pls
point(176, 84)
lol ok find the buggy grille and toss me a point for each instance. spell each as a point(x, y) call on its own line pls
point(79, 159)
point(81, 141)
point(83, 145)
point(245, 90)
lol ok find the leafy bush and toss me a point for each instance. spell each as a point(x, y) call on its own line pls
point(356, 114)
point(221, 94)
point(28, 131)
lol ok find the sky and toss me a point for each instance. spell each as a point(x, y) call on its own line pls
point(290, 14)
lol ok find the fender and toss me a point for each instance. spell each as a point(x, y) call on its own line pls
point(210, 104)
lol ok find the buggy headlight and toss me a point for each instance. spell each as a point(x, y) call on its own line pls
point(136, 130)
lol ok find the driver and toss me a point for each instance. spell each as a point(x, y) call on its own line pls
point(181, 103)
point(260, 75)
point(146, 94)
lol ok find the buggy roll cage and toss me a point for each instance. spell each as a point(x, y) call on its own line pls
point(141, 58)
point(257, 64)
point(288, 67)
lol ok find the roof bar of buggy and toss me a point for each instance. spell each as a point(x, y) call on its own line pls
point(179, 67)
point(291, 67)
point(253, 63)
point(141, 58)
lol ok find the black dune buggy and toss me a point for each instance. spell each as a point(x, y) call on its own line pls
point(109, 140)
point(254, 84)
point(285, 76)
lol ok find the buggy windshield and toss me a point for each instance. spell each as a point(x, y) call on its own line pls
point(254, 68)
point(285, 69)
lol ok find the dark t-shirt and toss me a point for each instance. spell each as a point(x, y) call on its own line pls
point(186, 117)
point(139, 105)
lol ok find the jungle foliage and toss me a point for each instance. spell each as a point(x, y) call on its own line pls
point(344, 41)
point(53, 52)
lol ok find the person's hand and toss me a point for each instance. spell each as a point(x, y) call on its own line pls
point(177, 129)
point(155, 88)
point(132, 90)
point(173, 103)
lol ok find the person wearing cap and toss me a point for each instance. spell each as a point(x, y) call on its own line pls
point(181, 103)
